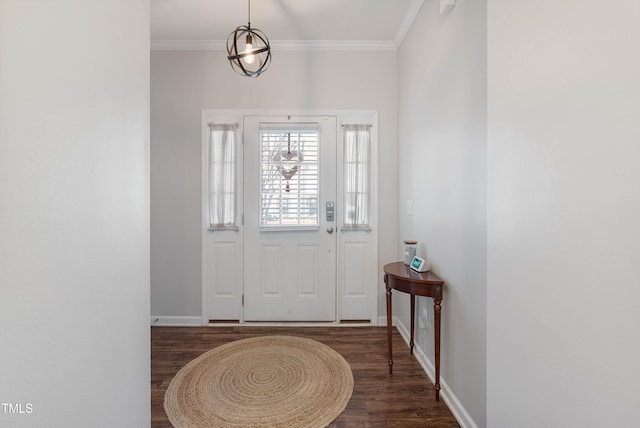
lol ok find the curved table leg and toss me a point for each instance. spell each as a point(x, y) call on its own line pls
point(436, 315)
point(413, 319)
point(389, 324)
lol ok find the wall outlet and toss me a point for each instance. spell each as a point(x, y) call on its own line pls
point(423, 319)
point(422, 323)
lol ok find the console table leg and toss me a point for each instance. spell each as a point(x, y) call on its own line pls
point(389, 325)
point(413, 319)
point(436, 315)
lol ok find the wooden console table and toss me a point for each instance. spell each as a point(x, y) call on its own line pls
point(398, 276)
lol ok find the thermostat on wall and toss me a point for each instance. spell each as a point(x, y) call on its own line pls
point(419, 265)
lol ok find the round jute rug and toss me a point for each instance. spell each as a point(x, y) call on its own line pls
point(272, 381)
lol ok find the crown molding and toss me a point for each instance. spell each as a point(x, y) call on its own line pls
point(279, 45)
point(305, 45)
point(407, 22)
point(188, 45)
point(333, 45)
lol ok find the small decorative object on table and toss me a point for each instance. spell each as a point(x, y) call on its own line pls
point(419, 265)
point(409, 251)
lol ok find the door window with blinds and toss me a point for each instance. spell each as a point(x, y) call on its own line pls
point(289, 176)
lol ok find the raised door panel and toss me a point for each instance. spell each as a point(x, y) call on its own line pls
point(222, 272)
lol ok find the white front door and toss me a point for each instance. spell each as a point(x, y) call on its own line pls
point(289, 231)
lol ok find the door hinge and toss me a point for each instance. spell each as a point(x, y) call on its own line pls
point(242, 219)
point(243, 300)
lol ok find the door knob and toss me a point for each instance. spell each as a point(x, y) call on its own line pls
point(329, 229)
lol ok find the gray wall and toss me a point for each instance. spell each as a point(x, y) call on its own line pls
point(563, 341)
point(74, 213)
point(183, 83)
point(442, 154)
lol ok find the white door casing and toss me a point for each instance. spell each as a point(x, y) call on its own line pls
point(226, 254)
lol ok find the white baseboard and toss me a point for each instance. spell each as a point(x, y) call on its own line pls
point(456, 407)
point(382, 321)
point(176, 321)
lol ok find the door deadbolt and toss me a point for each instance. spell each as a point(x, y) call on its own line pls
point(330, 210)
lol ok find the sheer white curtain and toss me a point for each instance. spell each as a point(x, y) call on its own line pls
point(357, 155)
point(222, 176)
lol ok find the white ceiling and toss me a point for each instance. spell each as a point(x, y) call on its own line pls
point(289, 24)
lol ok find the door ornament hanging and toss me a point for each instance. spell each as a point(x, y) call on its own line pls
point(287, 162)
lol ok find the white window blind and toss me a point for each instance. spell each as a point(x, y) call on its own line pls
point(357, 155)
point(222, 176)
point(289, 176)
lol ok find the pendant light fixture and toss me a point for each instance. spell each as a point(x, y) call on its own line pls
point(248, 50)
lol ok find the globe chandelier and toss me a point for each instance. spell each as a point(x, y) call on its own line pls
point(248, 49)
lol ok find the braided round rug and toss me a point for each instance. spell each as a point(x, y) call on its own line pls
point(274, 381)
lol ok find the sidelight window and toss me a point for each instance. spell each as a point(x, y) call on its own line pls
point(222, 176)
point(357, 188)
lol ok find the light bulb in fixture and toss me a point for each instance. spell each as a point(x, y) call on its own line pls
point(249, 59)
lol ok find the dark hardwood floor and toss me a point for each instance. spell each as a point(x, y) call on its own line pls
point(404, 399)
